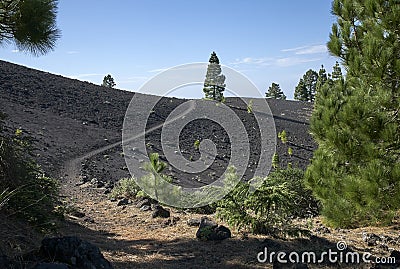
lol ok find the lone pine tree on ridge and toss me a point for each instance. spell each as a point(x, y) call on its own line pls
point(214, 83)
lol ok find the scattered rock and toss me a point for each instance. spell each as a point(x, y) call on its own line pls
point(143, 202)
point(79, 183)
point(107, 191)
point(145, 208)
point(77, 214)
point(371, 239)
point(210, 231)
point(322, 230)
point(90, 220)
point(194, 222)
point(161, 212)
point(172, 221)
point(73, 251)
point(97, 183)
point(124, 201)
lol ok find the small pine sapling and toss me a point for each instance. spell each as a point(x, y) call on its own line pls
point(250, 107)
point(196, 144)
point(275, 161)
point(282, 135)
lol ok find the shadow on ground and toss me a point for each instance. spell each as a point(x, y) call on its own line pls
point(193, 253)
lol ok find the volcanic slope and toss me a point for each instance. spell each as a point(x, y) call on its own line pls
point(78, 125)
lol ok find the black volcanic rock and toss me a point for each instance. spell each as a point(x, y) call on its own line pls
point(73, 251)
point(70, 119)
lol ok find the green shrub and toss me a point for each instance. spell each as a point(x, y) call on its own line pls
point(25, 191)
point(272, 207)
point(154, 181)
point(126, 188)
point(275, 161)
point(283, 137)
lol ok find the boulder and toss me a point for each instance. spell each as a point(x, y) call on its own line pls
point(73, 251)
point(143, 202)
point(161, 212)
point(211, 231)
point(194, 222)
point(145, 208)
point(124, 201)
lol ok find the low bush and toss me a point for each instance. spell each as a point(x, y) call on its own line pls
point(125, 188)
point(271, 208)
point(25, 191)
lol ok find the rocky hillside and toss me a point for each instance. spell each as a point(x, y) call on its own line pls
point(69, 118)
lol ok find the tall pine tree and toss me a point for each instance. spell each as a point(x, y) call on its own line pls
point(306, 88)
point(322, 78)
point(337, 72)
point(355, 171)
point(274, 91)
point(214, 83)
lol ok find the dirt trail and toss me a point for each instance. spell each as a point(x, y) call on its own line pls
point(130, 238)
point(71, 167)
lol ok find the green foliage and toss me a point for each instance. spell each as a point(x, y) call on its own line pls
point(271, 208)
point(108, 81)
point(283, 137)
point(196, 144)
point(205, 233)
point(307, 86)
point(250, 107)
point(275, 161)
point(356, 169)
point(290, 151)
point(155, 165)
point(18, 132)
point(214, 83)
point(31, 24)
point(126, 188)
point(322, 79)
point(337, 72)
point(154, 180)
point(274, 91)
point(25, 191)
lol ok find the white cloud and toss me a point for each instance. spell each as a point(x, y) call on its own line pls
point(253, 61)
point(291, 61)
point(72, 52)
point(15, 51)
point(305, 50)
point(280, 62)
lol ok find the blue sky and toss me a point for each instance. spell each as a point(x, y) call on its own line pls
point(266, 40)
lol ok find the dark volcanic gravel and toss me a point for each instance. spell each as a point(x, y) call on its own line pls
point(69, 118)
